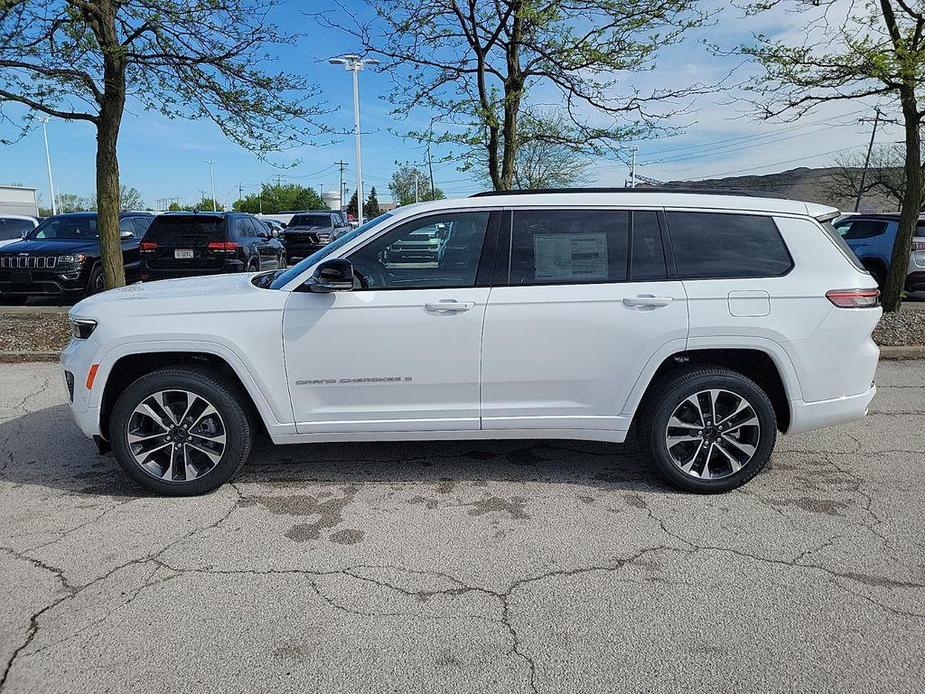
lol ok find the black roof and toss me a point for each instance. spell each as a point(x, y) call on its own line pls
point(647, 189)
point(90, 213)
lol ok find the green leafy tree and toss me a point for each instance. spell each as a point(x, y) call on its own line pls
point(410, 184)
point(278, 197)
point(472, 64)
point(352, 206)
point(874, 51)
point(371, 208)
point(70, 202)
point(84, 60)
point(130, 198)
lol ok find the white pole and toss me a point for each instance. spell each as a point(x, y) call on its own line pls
point(633, 170)
point(51, 182)
point(355, 67)
point(212, 180)
point(417, 197)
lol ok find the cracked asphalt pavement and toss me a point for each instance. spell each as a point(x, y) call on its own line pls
point(464, 566)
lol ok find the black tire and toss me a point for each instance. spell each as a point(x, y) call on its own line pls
point(224, 397)
point(11, 300)
point(96, 283)
point(668, 394)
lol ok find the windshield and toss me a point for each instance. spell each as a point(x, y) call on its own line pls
point(286, 277)
point(310, 220)
point(66, 228)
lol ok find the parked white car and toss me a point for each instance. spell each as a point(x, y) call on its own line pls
point(14, 226)
point(711, 322)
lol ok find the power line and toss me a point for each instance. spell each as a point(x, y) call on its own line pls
point(778, 163)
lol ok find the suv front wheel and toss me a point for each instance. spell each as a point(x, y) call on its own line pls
point(707, 429)
point(180, 431)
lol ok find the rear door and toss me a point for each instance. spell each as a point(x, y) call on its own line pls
point(588, 301)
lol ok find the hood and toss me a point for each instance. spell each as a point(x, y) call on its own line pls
point(188, 295)
point(43, 247)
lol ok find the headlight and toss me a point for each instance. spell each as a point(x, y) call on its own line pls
point(82, 328)
point(325, 237)
point(75, 259)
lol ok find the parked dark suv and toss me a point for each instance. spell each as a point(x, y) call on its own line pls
point(309, 231)
point(61, 256)
point(204, 243)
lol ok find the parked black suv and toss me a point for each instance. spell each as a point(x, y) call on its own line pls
point(61, 256)
point(309, 231)
point(184, 244)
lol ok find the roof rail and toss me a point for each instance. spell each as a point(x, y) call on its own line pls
point(653, 189)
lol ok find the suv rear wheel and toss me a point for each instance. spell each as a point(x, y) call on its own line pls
point(180, 431)
point(707, 429)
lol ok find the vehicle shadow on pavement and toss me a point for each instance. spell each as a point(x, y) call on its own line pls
point(46, 448)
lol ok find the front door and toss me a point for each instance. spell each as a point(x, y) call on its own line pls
point(401, 351)
point(588, 302)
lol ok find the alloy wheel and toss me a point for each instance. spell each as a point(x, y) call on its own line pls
point(176, 435)
point(712, 434)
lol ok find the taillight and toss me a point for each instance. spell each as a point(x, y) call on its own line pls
point(854, 298)
point(918, 244)
point(147, 246)
point(223, 246)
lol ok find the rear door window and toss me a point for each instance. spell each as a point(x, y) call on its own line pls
point(14, 228)
point(861, 228)
point(714, 245)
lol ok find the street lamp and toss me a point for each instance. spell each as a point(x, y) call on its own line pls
point(212, 180)
point(51, 183)
point(354, 64)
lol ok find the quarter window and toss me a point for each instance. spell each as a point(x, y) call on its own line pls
point(710, 245)
point(861, 228)
point(435, 252)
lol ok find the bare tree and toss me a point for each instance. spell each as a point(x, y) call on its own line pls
point(870, 51)
point(545, 157)
point(83, 60)
point(471, 64)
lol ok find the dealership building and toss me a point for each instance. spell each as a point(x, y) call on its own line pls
point(18, 200)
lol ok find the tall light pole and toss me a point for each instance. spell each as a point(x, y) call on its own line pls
point(212, 180)
point(354, 64)
point(51, 182)
point(633, 149)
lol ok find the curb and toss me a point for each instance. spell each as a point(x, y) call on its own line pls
point(20, 357)
point(902, 353)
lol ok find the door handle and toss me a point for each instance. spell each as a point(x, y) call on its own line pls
point(448, 306)
point(647, 301)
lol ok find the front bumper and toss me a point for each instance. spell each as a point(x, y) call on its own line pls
point(76, 359)
point(298, 251)
point(915, 281)
point(43, 282)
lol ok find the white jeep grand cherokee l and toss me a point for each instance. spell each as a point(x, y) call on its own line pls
point(709, 321)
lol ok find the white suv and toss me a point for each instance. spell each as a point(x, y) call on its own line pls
point(709, 321)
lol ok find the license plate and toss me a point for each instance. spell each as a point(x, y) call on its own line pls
point(181, 253)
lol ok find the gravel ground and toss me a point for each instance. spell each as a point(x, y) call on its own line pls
point(516, 566)
point(904, 327)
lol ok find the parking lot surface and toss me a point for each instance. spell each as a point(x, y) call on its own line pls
point(512, 566)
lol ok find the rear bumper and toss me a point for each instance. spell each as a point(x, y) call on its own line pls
point(807, 416)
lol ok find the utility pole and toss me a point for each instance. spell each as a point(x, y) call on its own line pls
point(51, 182)
point(633, 149)
point(341, 165)
point(354, 63)
point(417, 197)
point(212, 179)
point(870, 147)
point(430, 165)
point(240, 191)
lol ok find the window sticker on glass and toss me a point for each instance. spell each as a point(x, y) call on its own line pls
point(564, 257)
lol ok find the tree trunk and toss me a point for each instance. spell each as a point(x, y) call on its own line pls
point(107, 139)
point(911, 205)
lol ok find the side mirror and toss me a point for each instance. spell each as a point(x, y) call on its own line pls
point(274, 232)
point(332, 276)
point(126, 235)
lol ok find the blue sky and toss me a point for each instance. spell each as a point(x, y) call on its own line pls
point(167, 158)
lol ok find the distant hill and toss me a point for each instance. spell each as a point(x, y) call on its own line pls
point(797, 184)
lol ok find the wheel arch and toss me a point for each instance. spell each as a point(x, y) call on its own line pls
point(132, 366)
point(760, 365)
